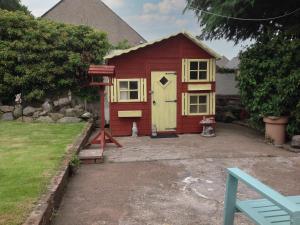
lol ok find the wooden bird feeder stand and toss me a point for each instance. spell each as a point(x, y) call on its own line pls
point(101, 76)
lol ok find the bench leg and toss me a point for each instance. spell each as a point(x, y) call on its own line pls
point(230, 200)
point(295, 219)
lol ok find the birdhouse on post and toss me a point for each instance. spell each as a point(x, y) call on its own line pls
point(101, 76)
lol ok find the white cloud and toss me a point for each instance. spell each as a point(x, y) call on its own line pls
point(114, 3)
point(165, 6)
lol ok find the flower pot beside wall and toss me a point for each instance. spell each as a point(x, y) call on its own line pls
point(275, 129)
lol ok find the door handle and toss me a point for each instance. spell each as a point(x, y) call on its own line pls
point(171, 101)
point(154, 102)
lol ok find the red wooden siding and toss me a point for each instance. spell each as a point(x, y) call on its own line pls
point(163, 56)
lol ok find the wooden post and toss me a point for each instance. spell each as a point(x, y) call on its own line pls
point(230, 199)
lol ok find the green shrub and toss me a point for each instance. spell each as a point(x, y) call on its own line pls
point(269, 80)
point(41, 58)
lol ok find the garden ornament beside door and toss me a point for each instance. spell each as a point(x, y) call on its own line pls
point(208, 129)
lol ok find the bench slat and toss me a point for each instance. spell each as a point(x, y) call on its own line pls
point(265, 191)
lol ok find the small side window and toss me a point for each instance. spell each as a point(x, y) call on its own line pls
point(129, 90)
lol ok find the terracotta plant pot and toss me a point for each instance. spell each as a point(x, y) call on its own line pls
point(275, 129)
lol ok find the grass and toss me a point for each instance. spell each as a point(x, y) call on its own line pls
point(30, 154)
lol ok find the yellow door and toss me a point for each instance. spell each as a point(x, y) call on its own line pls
point(164, 100)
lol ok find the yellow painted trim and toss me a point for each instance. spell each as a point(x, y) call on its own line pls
point(135, 113)
point(199, 87)
point(184, 70)
point(144, 90)
point(183, 99)
point(214, 103)
point(210, 70)
point(214, 70)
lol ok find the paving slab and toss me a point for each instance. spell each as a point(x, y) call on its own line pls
point(183, 185)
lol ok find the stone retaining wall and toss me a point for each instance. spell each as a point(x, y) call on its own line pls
point(62, 110)
point(229, 108)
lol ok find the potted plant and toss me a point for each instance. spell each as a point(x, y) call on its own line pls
point(275, 127)
point(269, 85)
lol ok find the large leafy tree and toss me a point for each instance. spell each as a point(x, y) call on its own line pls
point(269, 80)
point(41, 58)
point(12, 5)
point(216, 27)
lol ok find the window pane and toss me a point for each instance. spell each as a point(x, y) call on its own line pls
point(123, 85)
point(202, 99)
point(124, 95)
point(193, 100)
point(203, 65)
point(194, 66)
point(202, 108)
point(202, 75)
point(134, 95)
point(194, 75)
point(133, 85)
point(193, 109)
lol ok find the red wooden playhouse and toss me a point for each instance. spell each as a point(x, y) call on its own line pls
point(167, 85)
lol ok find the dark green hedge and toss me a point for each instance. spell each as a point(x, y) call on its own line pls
point(269, 80)
point(42, 58)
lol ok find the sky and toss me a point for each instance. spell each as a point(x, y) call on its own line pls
point(153, 19)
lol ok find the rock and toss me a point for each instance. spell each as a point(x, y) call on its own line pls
point(29, 111)
point(43, 113)
point(25, 119)
point(229, 117)
point(45, 119)
point(7, 116)
point(86, 115)
point(47, 106)
point(62, 102)
point(71, 112)
point(295, 141)
point(56, 116)
point(36, 115)
point(74, 112)
point(63, 110)
point(79, 107)
point(17, 111)
point(69, 120)
point(79, 112)
point(6, 108)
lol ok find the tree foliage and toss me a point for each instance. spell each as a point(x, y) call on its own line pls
point(269, 80)
point(215, 27)
point(41, 58)
point(12, 5)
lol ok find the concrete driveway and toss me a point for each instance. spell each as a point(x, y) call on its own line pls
point(178, 181)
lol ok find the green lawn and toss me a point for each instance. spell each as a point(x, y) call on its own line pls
point(30, 154)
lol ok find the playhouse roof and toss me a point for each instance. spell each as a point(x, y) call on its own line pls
point(199, 43)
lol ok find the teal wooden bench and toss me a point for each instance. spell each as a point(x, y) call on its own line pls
point(274, 209)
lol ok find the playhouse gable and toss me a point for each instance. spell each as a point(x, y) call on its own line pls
point(181, 43)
